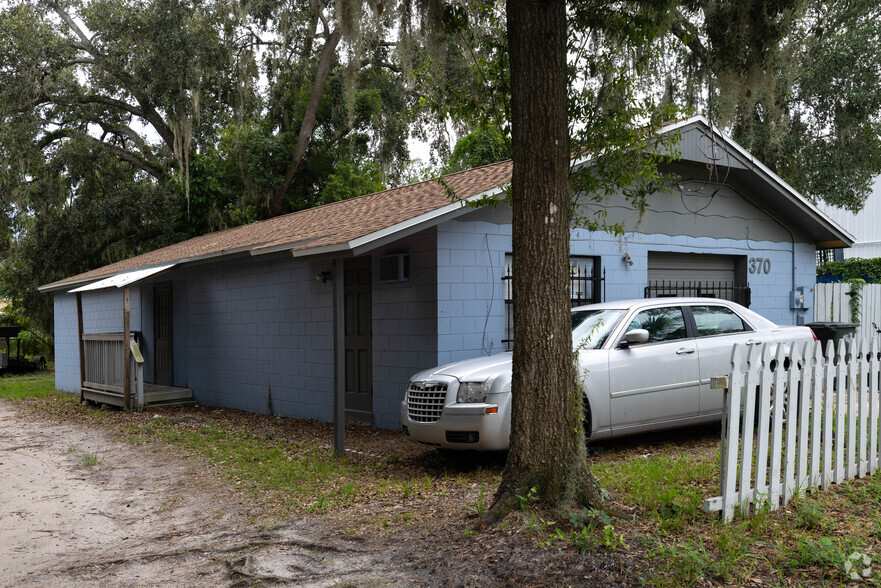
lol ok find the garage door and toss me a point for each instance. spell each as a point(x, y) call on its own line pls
point(691, 267)
point(696, 274)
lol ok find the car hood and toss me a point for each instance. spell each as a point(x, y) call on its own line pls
point(478, 369)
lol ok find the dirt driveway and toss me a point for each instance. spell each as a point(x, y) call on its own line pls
point(79, 508)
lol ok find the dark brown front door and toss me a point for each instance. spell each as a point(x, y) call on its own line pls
point(359, 354)
point(163, 364)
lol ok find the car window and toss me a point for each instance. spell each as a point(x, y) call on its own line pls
point(591, 327)
point(717, 320)
point(663, 324)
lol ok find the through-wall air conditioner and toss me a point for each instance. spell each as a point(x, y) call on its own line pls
point(394, 267)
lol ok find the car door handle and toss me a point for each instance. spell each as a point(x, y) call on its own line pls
point(684, 351)
point(753, 341)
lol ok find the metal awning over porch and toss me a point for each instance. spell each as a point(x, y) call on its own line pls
point(124, 279)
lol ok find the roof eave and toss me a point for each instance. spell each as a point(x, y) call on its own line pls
point(403, 229)
point(837, 231)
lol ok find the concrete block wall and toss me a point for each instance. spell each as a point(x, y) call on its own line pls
point(67, 350)
point(404, 325)
point(103, 310)
point(470, 291)
point(254, 323)
point(770, 291)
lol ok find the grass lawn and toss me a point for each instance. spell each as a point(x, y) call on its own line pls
point(389, 486)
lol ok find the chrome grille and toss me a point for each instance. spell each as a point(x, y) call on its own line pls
point(425, 401)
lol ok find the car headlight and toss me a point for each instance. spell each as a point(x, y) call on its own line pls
point(472, 392)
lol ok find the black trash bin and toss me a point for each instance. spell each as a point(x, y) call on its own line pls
point(832, 331)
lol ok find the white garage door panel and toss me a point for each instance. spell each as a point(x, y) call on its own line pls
point(690, 267)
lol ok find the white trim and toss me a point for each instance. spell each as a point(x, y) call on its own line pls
point(773, 177)
point(396, 229)
point(286, 246)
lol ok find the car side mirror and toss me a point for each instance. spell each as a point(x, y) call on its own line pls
point(634, 337)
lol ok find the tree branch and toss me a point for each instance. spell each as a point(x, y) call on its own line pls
point(308, 125)
point(127, 132)
point(686, 32)
point(112, 102)
point(132, 158)
point(147, 112)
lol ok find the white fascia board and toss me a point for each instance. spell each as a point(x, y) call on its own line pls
point(64, 285)
point(287, 246)
point(179, 261)
point(782, 185)
point(416, 222)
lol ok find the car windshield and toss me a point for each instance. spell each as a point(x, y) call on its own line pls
point(591, 327)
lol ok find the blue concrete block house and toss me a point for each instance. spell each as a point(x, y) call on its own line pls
point(360, 294)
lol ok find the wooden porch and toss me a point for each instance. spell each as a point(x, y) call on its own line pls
point(104, 374)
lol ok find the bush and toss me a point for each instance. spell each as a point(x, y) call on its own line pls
point(849, 269)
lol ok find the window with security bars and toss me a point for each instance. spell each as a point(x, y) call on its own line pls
point(693, 288)
point(586, 286)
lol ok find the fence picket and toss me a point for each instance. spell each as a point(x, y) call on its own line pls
point(790, 484)
point(817, 371)
point(805, 388)
point(875, 402)
point(861, 356)
point(729, 450)
point(764, 408)
point(753, 361)
point(828, 413)
point(828, 407)
point(777, 428)
point(840, 410)
point(851, 386)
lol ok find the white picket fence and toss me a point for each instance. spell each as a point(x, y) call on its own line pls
point(832, 304)
point(826, 432)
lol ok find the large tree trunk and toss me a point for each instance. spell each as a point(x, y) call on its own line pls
point(547, 441)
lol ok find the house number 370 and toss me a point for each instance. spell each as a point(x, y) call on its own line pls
point(759, 265)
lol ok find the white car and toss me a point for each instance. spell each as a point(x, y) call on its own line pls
point(646, 365)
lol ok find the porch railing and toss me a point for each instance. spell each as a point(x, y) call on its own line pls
point(103, 366)
point(103, 361)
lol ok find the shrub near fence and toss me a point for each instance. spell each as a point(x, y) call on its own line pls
point(797, 421)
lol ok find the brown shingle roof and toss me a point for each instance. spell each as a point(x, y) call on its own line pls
point(325, 226)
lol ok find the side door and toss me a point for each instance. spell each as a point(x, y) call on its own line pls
point(658, 381)
point(162, 331)
point(358, 339)
point(718, 329)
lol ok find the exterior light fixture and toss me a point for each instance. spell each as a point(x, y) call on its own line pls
point(627, 260)
point(323, 277)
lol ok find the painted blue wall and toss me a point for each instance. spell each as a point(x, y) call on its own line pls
point(405, 336)
point(770, 292)
point(241, 325)
point(253, 323)
point(471, 257)
point(470, 291)
point(67, 351)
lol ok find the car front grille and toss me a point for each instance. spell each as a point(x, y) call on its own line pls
point(425, 401)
